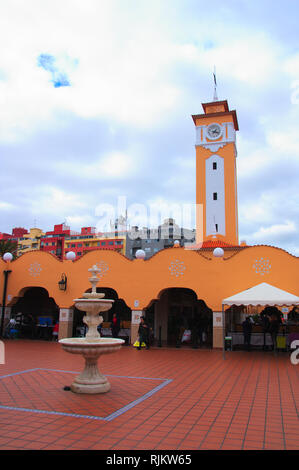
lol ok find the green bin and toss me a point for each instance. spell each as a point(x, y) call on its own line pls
point(228, 344)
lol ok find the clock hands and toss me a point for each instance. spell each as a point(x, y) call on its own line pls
point(214, 131)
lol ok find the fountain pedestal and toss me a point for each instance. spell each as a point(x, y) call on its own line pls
point(91, 380)
point(91, 347)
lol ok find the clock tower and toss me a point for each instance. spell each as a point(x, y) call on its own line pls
point(216, 178)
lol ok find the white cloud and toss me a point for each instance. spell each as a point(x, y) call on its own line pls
point(6, 206)
point(114, 165)
point(58, 202)
point(124, 72)
point(78, 221)
point(274, 232)
point(238, 58)
point(119, 73)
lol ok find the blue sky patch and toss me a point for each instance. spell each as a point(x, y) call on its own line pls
point(48, 62)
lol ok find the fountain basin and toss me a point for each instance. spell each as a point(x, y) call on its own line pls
point(91, 381)
point(103, 345)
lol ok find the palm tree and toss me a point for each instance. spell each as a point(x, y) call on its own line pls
point(8, 246)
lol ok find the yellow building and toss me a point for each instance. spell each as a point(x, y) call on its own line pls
point(30, 241)
point(81, 244)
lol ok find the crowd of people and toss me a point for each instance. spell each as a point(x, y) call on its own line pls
point(270, 320)
point(25, 326)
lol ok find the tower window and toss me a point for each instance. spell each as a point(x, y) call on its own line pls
point(216, 226)
point(214, 165)
point(215, 196)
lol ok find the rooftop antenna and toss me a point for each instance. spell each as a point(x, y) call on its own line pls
point(215, 85)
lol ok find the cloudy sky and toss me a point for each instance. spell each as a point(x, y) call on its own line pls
point(96, 99)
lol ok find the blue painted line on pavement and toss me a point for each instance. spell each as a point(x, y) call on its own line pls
point(112, 416)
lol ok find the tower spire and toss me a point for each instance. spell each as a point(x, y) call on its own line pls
point(215, 85)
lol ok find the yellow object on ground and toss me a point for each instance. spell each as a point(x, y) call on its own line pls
point(281, 342)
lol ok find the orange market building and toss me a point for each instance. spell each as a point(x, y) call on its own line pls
point(176, 281)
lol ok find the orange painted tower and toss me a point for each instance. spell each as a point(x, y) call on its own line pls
point(216, 178)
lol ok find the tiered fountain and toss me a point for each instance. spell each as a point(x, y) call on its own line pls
point(92, 346)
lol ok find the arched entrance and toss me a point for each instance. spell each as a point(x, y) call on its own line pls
point(178, 310)
point(119, 307)
point(36, 313)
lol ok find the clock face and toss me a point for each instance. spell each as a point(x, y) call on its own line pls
point(214, 131)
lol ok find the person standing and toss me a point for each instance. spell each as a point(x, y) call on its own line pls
point(115, 325)
point(247, 329)
point(275, 322)
point(196, 332)
point(265, 327)
point(179, 329)
point(11, 331)
point(55, 331)
point(143, 332)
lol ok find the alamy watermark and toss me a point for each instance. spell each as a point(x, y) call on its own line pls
point(151, 221)
point(295, 354)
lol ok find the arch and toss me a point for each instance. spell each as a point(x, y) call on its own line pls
point(119, 307)
point(174, 289)
point(36, 313)
point(108, 291)
point(177, 309)
point(22, 292)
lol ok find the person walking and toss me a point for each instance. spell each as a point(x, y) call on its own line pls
point(143, 332)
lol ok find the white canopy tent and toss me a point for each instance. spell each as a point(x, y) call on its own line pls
point(262, 294)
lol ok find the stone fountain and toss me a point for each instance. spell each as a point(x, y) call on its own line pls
point(92, 346)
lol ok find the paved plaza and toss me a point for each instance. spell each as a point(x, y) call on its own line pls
point(170, 399)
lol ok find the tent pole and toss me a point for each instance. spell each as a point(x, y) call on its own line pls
point(223, 330)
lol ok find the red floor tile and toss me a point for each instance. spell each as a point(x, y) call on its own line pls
point(240, 403)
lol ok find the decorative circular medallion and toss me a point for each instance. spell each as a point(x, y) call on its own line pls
point(35, 269)
point(103, 267)
point(262, 266)
point(177, 268)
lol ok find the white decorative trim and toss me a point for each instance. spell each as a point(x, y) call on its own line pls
point(203, 140)
point(215, 209)
point(214, 147)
